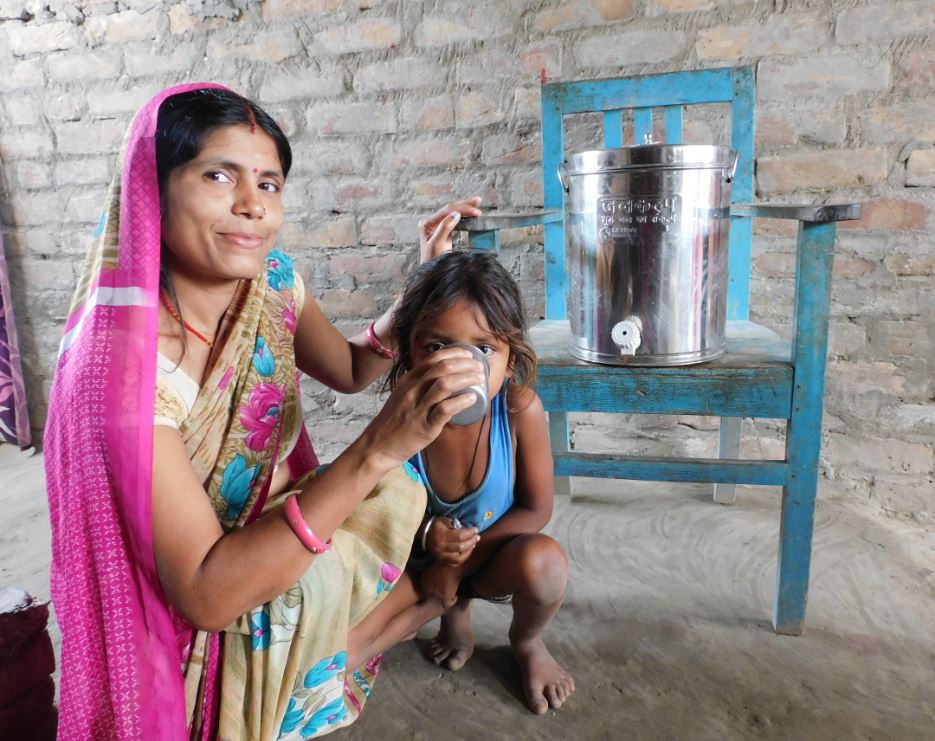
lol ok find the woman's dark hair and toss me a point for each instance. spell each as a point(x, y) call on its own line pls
point(185, 121)
point(474, 276)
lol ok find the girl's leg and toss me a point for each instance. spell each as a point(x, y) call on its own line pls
point(534, 569)
point(401, 613)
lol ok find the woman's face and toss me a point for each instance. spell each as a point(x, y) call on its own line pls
point(465, 322)
point(222, 210)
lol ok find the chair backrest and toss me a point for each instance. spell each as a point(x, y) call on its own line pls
point(668, 93)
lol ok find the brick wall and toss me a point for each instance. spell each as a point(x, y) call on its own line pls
point(394, 107)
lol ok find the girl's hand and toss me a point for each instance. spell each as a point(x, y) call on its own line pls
point(448, 544)
point(441, 581)
point(420, 406)
point(435, 230)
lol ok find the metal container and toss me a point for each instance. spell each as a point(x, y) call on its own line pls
point(646, 231)
point(474, 413)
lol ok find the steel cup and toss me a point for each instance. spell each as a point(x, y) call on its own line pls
point(475, 412)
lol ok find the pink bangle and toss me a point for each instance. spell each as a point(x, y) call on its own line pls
point(300, 527)
point(378, 347)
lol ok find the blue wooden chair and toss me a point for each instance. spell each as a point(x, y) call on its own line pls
point(760, 376)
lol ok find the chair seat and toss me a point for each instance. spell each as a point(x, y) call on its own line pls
point(753, 378)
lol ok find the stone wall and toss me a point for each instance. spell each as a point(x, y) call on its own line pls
point(394, 107)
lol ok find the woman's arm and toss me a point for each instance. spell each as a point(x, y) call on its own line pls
point(349, 365)
point(322, 352)
point(212, 577)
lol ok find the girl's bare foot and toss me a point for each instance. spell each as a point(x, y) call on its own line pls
point(454, 644)
point(545, 684)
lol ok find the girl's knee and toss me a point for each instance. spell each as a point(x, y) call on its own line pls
point(543, 569)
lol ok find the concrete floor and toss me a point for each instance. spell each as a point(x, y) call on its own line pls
point(665, 626)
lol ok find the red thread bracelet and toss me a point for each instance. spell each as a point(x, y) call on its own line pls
point(378, 347)
point(300, 527)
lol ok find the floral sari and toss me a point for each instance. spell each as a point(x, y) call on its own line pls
point(131, 667)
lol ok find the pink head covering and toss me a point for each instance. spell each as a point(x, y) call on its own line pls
point(121, 674)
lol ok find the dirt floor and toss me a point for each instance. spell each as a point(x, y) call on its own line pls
point(665, 626)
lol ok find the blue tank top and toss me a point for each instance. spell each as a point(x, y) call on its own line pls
point(485, 505)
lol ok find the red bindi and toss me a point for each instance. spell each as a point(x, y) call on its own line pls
point(255, 170)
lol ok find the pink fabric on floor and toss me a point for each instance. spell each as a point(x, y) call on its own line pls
point(120, 662)
point(14, 419)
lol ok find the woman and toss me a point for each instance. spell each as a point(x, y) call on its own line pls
point(174, 424)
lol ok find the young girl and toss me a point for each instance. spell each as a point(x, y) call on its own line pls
point(490, 483)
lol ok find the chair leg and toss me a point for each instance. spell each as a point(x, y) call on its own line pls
point(797, 516)
point(795, 555)
point(558, 434)
point(815, 250)
point(729, 447)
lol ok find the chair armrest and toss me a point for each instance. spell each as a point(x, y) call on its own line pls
point(819, 214)
point(491, 221)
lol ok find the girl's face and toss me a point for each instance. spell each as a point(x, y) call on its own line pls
point(222, 210)
point(465, 322)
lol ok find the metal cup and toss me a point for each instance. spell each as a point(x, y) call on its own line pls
point(477, 410)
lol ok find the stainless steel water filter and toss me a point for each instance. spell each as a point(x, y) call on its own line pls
point(646, 237)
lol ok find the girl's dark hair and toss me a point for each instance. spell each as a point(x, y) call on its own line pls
point(474, 276)
point(185, 120)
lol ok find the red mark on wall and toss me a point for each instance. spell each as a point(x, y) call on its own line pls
point(543, 76)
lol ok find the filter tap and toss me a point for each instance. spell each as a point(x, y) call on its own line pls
point(627, 335)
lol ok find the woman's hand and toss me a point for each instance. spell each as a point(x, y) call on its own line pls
point(420, 406)
point(441, 581)
point(435, 230)
point(448, 544)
